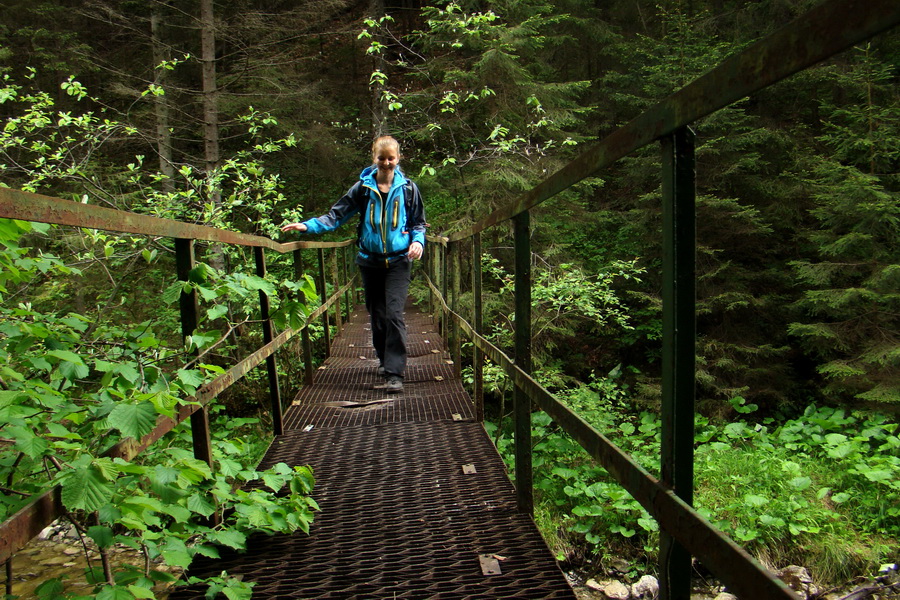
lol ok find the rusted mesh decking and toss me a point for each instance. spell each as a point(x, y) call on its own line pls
point(400, 518)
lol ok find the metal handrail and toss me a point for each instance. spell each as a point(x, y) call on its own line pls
point(831, 27)
point(25, 206)
point(44, 508)
point(737, 569)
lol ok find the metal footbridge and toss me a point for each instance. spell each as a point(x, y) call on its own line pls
point(415, 501)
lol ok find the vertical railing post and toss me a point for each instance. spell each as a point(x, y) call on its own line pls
point(478, 325)
point(429, 269)
point(323, 294)
point(678, 352)
point(348, 298)
point(304, 333)
point(268, 336)
point(445, 289)
point(190, 309)
point(9, 576)
point(337, 285)
point(436, 277)
point(455, 276)
point(521, 401)
point(438, 311)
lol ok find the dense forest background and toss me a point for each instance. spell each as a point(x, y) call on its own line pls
point(249, 114)
point(797, 185)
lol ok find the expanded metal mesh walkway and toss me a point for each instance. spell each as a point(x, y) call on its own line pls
point(415, 501)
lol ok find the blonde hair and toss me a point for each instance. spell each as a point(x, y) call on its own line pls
point(385, 141)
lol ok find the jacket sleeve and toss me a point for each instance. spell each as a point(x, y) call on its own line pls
point(339, 214)
point(415, 217)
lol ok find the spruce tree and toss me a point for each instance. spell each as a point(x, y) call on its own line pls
point(850, 308)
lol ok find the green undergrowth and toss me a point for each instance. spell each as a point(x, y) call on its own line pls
point(821, 489)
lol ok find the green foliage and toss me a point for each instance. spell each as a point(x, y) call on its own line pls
point(819, 489)
point(78, 377)
point(565, 300)
point(465, 91)
point(40, 144)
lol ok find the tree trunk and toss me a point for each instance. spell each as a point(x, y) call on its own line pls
point(210, 115)
point(161, 103)
point(210, 92)
point(379, 106)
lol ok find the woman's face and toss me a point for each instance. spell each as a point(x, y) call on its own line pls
point(386, 159)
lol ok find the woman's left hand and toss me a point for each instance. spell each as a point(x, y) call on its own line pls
point(415, 251)
point(301, 227)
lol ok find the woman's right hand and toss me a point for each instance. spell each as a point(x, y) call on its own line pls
point(301, 227)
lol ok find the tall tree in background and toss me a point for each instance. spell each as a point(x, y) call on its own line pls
point(161, 55)
point(210, 95)
point(851, 300)
point(473, 93)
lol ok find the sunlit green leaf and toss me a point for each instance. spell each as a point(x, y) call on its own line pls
point(176, 553)
point(133, 420)
point(86, 488)
point(229, 537)
point(103, 536)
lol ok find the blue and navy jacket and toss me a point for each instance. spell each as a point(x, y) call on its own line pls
point(389, 223)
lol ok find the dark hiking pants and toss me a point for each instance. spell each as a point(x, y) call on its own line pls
point(386, 291)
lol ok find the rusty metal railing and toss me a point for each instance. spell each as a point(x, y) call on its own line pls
point(44, 508)
point(833, 26)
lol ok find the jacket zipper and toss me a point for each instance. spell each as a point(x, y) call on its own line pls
point(383, 220)
point(384, 236)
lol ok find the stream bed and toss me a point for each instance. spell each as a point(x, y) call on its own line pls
point(59, 552)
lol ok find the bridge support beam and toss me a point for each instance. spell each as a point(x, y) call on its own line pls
point(455, 249)
point(323, 294)
point(336, 283)
point(521, 400)
point(679, 347)
point(478, 325)
point(445, 282)
point(190, 310)
point(268, 335)
point(304, 333)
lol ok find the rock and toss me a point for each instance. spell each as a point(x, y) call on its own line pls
point(619, 565)
point(799, 580)
point(646, 587)
point(616, 590)
point(609, 590)
point(594, 584)
point(71, 532)
point(46, 532)
point(71, 551)
point(726, 596)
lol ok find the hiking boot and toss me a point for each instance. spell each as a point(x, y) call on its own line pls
point(394, 384)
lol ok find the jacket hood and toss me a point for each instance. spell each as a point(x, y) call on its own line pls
point(367, 176)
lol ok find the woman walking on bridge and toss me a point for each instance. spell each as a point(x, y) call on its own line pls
point(390, 234)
